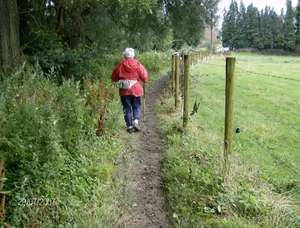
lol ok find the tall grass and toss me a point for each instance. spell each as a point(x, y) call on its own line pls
point(264, 174)
point(57, 169)
point(61, 144)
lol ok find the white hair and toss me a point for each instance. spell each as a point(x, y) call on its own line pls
point(128, 53)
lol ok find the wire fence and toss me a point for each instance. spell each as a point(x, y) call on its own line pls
point(280, 160)
point(255, 73)
point(203, 59)
point(257, 148)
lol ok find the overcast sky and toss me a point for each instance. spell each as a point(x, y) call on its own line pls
point(260, 4)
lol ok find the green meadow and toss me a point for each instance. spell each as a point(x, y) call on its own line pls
point(264, 179)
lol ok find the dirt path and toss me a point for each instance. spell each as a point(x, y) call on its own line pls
point(144, 169)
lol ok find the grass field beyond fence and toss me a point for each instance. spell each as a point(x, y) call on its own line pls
point(265, 163)
point(266, 110)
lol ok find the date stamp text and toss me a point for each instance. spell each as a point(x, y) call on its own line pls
point(37, 202)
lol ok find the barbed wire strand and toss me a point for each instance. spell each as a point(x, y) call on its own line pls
point(251, 72)
point(277, 158)
point(259, 144)
point(276, 119)
point(269, 116)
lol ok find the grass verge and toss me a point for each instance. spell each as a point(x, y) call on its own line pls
point(262, 189)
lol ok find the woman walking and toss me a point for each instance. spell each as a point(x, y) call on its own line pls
point(129, 74)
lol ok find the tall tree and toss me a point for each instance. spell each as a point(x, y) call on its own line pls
point(298, 25)
point(213, 18)
point(189, 19)
point(280, 39)
point(230, 25)
point(225, 29)
point(253, 26)
point(79, 23)
point(266, 28)
point(241, 31)
point(10, 54)
point(289, 28)
point(276, 29)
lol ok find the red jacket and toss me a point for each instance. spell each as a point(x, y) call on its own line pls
point(130, 69)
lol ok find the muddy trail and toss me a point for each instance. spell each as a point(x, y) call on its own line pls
point(143, 172)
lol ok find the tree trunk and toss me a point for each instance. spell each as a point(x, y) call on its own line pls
point(10, 53)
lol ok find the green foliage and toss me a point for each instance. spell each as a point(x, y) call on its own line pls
point(60, 64)
point(51, 28)
point(49, 144)
point(155, 63)
point(67, 64)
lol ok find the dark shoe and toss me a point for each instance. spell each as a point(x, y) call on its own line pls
point(136, 127)
point(129, 130)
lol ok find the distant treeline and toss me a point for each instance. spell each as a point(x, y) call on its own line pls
point(250, 28)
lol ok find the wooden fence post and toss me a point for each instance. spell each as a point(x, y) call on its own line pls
point(177, 72)
point(230, 67)
point(186, 89)
point(173, 74)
